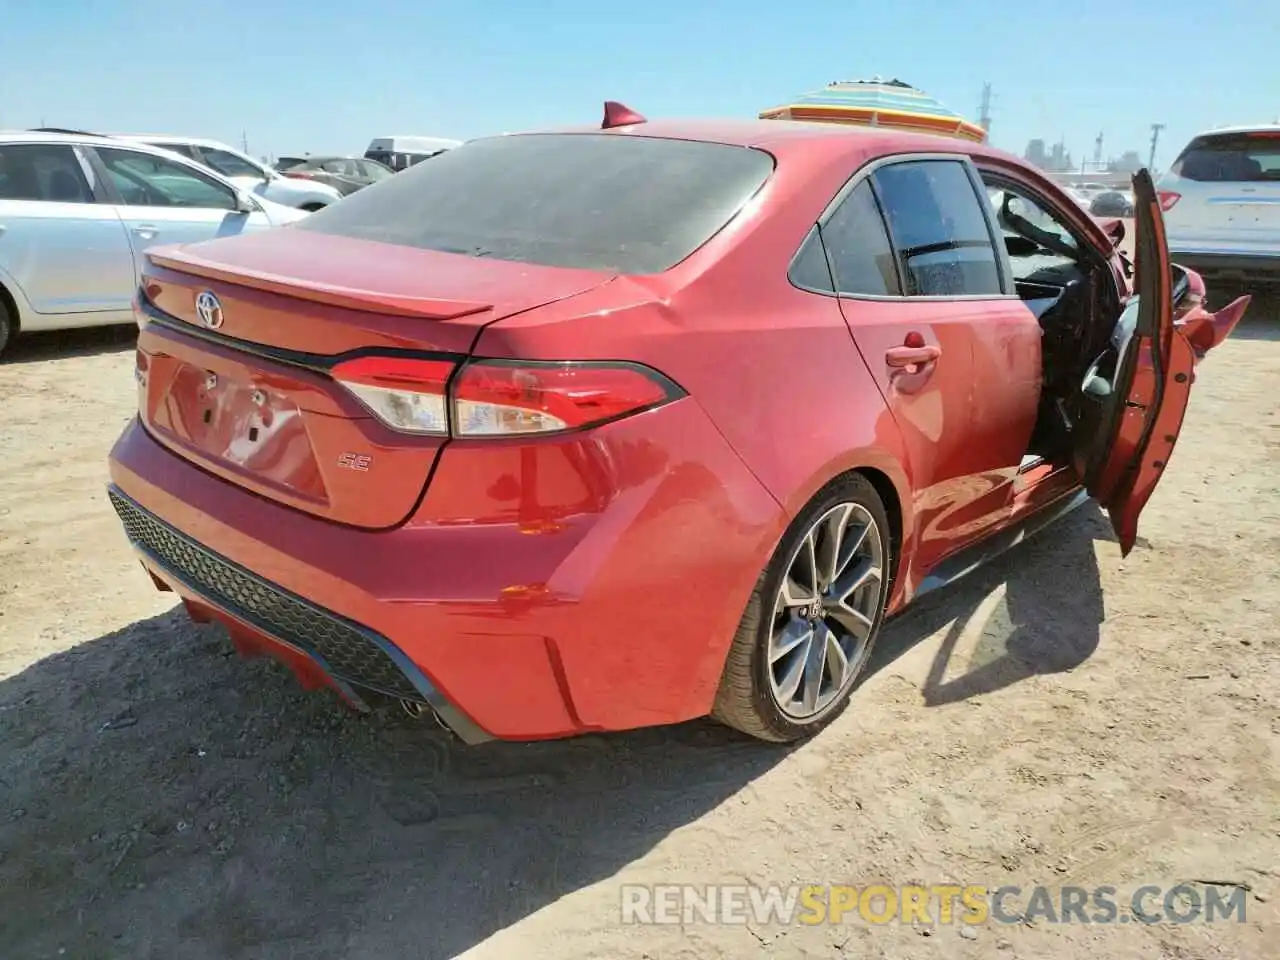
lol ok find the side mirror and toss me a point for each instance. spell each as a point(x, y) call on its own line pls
point(245, 203)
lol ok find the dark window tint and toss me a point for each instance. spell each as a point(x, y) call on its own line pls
point(861, 257)
point(809, 269)
point(145, 180)
point(288, 163)
point(596, 201)
point(1231, 158)
point(938, 229)
point(228, 164)
point(182, 149)
point(35, 171)
point(373, 171)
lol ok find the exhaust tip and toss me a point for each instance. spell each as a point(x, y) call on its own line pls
point(415, 709)
point(420, 711)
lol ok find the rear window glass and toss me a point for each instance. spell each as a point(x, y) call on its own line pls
point(1231, 158)
point(629, 204)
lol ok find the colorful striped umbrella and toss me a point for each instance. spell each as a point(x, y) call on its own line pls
point(878, 103)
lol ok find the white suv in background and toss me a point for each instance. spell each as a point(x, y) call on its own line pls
point(244, 170)
point(78, 212)
point(1221, 202)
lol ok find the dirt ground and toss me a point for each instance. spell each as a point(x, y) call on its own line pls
point(1061, 717)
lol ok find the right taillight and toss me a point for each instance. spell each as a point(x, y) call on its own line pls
point(500, 398)
point(497, 398)
point(1167, 199)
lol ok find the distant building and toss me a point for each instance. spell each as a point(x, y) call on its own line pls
point(1055, 159)
point(1128, 162)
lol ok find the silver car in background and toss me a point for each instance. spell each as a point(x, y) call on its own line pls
point(1221, 202)
point(77, 213)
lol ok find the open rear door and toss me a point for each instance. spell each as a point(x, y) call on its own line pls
point(1136, 394)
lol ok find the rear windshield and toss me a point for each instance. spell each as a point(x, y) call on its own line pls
point(629, 204)
point(1231, 158)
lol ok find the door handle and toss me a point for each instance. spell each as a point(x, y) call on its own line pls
point(145, 230)
point(904, 357)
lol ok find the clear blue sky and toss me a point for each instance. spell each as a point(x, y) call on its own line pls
point(327, 75)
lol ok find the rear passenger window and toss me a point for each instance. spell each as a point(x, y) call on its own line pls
point(809, 270)
point(938, 229)
point(861, 258)
point(37, 171)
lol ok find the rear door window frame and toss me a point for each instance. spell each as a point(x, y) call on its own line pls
point(865, 173)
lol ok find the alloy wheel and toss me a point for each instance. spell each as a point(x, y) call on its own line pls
point(825, 611)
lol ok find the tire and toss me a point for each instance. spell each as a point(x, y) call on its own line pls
point(753, 695)
point(8, 323)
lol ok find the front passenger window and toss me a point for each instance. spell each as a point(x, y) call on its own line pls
point(143, 179)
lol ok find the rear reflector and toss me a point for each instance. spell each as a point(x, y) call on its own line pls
point(499, 398)
point(1167, 199)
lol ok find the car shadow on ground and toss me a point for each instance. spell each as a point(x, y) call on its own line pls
point(1037, 609)
point(57, 344)
point(160, 797)
point(1261, 319)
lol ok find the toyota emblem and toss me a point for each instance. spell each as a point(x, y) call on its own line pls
point(209, 310)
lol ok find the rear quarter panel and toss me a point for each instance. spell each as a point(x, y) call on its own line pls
point(774, 367)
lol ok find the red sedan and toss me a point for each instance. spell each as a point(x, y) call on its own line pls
point(598, 429)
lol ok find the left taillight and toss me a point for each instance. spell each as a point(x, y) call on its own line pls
point(500, 398)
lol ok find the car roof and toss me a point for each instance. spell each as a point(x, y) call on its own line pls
point(794, 137)
point(1242, 128)
point(172, 138)
point(40, 136)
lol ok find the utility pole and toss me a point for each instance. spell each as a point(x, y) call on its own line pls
point(984, 110)
point(1155, 138)
point(244, 141)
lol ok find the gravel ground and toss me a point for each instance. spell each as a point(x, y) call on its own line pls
point(1062, 717)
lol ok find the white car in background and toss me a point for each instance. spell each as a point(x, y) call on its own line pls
point(401, 152)
point(244, 170)
point(1221, 202)
point(78, 212)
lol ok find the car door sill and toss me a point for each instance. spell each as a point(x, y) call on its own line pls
point(965, 561)
point(1030, 462)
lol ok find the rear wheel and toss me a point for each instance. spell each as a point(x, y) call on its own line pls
point(809, 627)
point(7, 323)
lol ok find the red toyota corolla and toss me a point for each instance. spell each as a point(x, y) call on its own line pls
point(598, 429)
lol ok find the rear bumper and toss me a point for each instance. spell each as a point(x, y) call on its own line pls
point(1210, 264)
point(540, 590)
point(344, 654)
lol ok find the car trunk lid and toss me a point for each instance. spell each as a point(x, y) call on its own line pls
point(239, 337)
